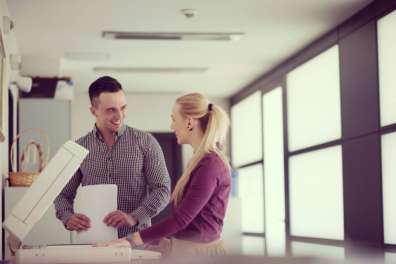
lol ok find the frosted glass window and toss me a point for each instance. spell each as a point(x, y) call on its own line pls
point(246, 130)
point(250, 181)
point(274, 173)
point(316, 194)
point(387, 66)
point(316, 250)
point(253, 246)
point(388, 143)
point(313, 101)
point(390, 257)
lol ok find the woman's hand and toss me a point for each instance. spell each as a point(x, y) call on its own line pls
point(122, 242)
point(134, 241)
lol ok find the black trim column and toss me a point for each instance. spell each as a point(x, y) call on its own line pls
point(363, 216)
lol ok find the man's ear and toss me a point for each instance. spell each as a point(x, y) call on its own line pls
point(92, 109)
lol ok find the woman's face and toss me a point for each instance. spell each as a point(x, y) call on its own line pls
point(180, 125)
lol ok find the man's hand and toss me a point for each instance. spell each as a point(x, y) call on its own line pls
point(78, 222)
point(119, 219)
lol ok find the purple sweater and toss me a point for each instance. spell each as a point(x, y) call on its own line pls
point(199, 215)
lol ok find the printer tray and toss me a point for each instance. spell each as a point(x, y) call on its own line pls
point(72, 254)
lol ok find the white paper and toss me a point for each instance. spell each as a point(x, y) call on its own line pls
point(96, 201)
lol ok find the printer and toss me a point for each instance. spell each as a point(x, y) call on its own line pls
point(36, 201)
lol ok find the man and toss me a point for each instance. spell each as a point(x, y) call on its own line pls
point(119, 155)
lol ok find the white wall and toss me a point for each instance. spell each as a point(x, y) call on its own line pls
point(149, 112)
point(146, 111)
point(10, 47)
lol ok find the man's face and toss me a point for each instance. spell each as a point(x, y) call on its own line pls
point(109, 110)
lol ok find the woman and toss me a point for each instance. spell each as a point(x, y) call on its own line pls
point(201, 194)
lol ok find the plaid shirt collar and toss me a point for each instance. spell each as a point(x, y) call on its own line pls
point(116, 135)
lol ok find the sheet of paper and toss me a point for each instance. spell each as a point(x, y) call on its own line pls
point(95, 201)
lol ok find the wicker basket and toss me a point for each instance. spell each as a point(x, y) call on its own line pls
point(23, 178)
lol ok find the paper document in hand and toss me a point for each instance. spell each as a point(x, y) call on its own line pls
point(96, 201)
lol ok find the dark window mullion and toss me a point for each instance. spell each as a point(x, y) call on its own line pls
point(253, 234)
point(320, 241)
point(250, 164)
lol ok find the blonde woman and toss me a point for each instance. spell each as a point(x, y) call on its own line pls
point(201, 194)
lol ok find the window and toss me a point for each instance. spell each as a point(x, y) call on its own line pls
point(252, 198)
point(313, 101)
point(316, 194)
point(274, 183)
point(253, 246)
point(386, 67)
point(388, 144)
point(247, 159)
point(322, 251)
point(246, 131)
point(390, 257)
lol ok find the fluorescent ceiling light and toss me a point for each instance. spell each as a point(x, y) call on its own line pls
point(87, 56)
point(227, 36)
point(150, 69)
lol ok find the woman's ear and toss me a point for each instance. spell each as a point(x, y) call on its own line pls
point(190, 124)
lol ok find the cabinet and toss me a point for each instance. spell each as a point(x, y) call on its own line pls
point(54, 118)
point(49, 115)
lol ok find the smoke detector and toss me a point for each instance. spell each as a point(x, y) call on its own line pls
point(189, 12)
point(8, 24)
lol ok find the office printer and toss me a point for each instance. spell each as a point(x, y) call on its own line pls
point(39, 198)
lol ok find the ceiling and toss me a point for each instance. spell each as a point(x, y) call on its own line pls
point(274, 30)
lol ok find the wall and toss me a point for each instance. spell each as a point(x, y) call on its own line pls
point(10, 47)
point(146, 111)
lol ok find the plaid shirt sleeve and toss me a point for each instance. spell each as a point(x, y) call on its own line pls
point(65, 200)
point(158, 182)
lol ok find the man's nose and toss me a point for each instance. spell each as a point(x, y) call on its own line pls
point(118, 114)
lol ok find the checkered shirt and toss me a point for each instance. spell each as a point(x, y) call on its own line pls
point(135, 163)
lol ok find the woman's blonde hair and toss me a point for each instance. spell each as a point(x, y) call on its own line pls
point(214, 122)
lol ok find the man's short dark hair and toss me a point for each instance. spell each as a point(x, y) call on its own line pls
point(102, 85)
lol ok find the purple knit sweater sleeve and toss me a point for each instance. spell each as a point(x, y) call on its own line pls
point(202, 184)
